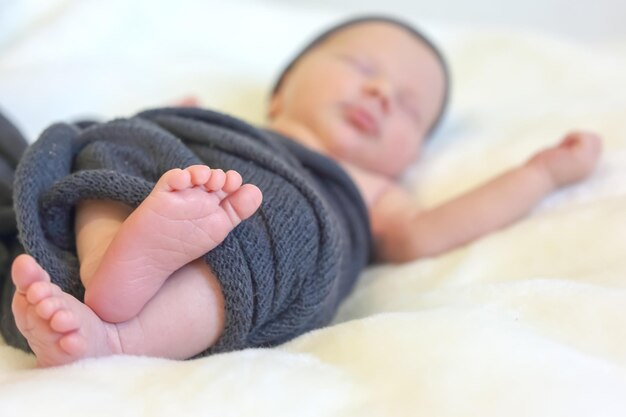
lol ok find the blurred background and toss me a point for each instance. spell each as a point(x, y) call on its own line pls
point(69, 59)
point(589, 20)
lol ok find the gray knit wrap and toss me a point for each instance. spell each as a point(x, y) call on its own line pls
point(282, 272)
point(12, 145)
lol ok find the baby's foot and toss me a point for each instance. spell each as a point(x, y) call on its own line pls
point(188, 213)
point(59, 328)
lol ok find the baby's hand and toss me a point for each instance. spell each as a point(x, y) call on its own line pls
point(571, 160)
point(189, 101)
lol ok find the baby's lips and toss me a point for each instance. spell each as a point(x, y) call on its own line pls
point(362, 120)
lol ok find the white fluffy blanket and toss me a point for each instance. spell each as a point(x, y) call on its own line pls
point(529, 321)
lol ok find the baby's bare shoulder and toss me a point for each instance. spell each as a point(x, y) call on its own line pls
point(391, 208)
point(392, 218)
point(371, 185)
point(394, 205)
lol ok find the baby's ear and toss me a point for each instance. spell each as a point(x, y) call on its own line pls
point(275, 106)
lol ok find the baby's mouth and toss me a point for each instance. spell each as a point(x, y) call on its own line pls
point(362, 120)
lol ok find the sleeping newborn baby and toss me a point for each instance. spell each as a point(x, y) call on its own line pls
point(365, 94)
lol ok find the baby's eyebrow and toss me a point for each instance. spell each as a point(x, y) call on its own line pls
point(362, 60)
point(350, 54)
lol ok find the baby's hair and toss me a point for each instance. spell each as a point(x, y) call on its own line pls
point(372, 18)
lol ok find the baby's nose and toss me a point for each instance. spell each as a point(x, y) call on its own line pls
point(381, 88)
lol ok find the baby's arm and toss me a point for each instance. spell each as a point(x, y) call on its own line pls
point(403, 233)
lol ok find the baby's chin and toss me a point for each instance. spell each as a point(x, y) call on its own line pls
point(372, 160)
point(342, 143)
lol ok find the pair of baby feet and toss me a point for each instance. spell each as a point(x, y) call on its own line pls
point(188, 213)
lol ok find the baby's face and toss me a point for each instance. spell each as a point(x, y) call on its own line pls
point(370, 94)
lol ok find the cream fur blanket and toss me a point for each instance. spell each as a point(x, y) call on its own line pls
point(530, 321)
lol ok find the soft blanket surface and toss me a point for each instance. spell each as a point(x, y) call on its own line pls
point(526, 322)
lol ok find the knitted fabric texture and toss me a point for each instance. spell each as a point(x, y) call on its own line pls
point(282, 272)
point(12, 145)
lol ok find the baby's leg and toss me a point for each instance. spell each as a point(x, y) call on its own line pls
point(97, 222)
point(188, 213)
point(185, 317)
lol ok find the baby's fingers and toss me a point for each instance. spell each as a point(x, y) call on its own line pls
point(595, 143)
point(570, 141)
point(582, 139)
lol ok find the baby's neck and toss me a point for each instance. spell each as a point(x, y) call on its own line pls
point(371, 184)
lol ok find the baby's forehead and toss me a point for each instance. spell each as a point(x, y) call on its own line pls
point(364, 31)
point(382, 41)
point(369, 23)
point(388, 46)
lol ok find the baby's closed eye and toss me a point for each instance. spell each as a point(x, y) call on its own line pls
point(361, 64)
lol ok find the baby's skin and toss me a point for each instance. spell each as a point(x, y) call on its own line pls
point(188, 213)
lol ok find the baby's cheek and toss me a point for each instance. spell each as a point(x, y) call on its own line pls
point(405, 136)
point(400, 155)
point(344, 142)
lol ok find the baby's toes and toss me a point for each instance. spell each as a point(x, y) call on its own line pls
point(242, 203)
point(64, 321)
point(174, 180)
point(39, 291)
point(20, 307)
point(46, 308)
point(25, 271)
point(73, 344)
point(233, 181)
point(200, 174)
point(217, 180)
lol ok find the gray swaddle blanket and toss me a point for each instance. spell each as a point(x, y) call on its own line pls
point(12, 145)
point(282, 272)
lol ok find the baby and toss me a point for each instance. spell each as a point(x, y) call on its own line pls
point(366, 95)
